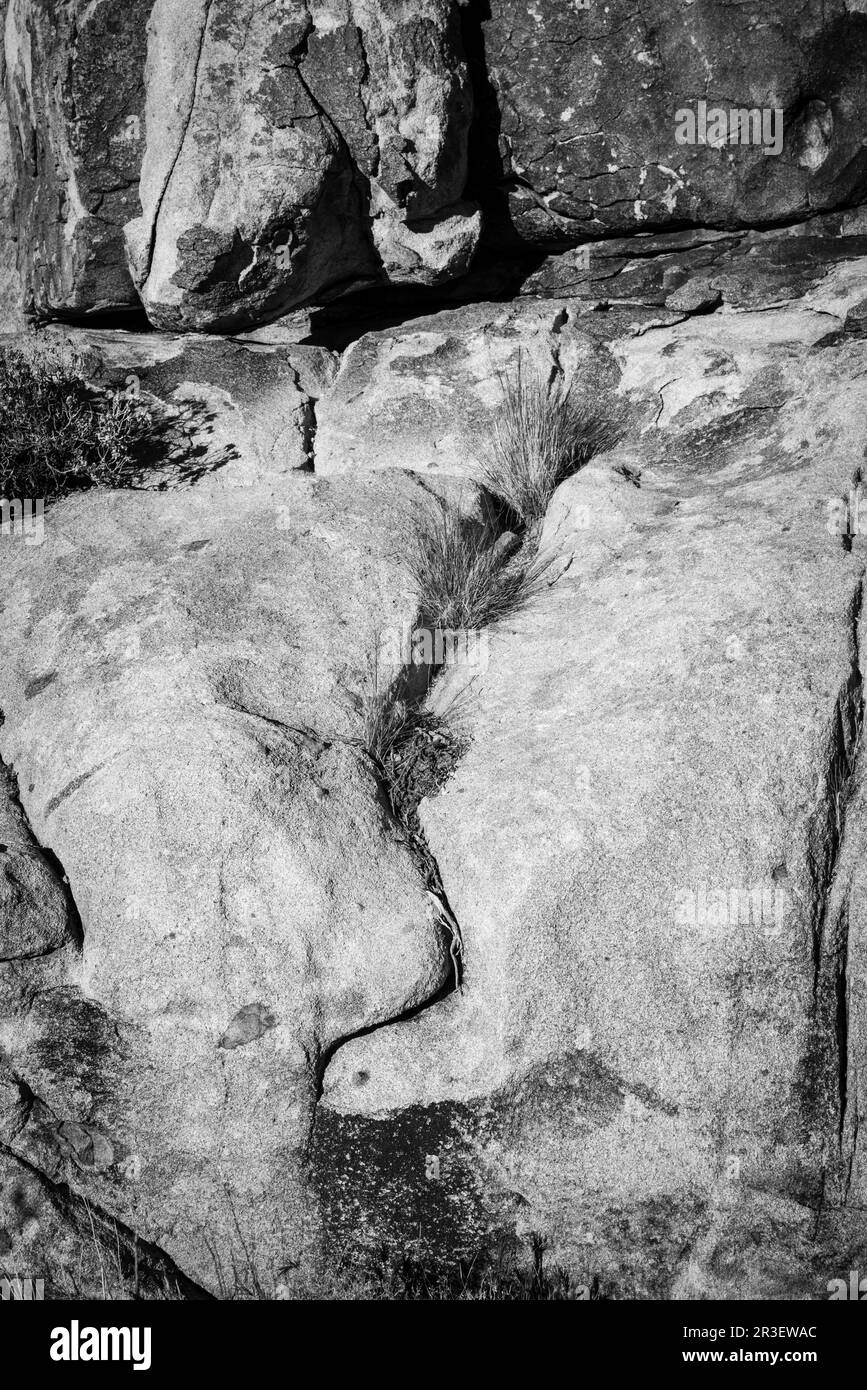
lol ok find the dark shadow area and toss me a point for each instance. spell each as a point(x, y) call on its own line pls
point(132, 320)
point(492, 278)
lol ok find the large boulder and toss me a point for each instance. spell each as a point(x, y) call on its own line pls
point(184, 715)
point(75, 92)
point(579, 118)
point(652, 848)
point(233, 161)
point(296, 150)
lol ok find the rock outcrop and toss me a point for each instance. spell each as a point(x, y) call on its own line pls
point(75, 93)
point(295, 151)
point(580, 114)
point(576, 970)
point(228, 162)
point(641, 846)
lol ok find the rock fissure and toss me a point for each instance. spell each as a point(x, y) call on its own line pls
point(150, 1270)
point(188, 117)
point(829, 824)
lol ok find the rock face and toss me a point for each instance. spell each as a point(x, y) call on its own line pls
point(236, 1032)
point(237, 160)
point(599, 990)
point(75, 92)
point(10, 285)
point(424, 395)
point(581, 103)
point(296, 150)
point(185, 727)
point(642, 849)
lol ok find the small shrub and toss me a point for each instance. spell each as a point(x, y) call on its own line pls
point(57, 434)
point(541, 437)
point(416, 749)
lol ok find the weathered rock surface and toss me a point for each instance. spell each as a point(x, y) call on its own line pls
point(181, 684)
point(581, 101)
point(296, 150)
point(651, 846)
point(10, 285)
point(424, 395)
point(255, 158)
point(75, 92)
point(646, 848)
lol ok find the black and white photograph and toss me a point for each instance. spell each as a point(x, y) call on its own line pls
point(433, 819)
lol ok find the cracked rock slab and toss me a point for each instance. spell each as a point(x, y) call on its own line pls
point(425, 395)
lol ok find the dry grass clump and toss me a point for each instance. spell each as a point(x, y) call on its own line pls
point(471, 573)
point(416, 750)
point(466, 575)
point(541, 437)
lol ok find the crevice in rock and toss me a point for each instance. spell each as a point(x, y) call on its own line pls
point(852, 522)
point(360, 184)
point(505, 275)
point(149, 1269)
point(841, 1021)
point(187, 122)
point(309, 425)
point(321, 1061)
point(402, 797)
point(825, 839)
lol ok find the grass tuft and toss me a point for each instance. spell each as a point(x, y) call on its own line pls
point(386, 1276)
point(464, 572)
point(541, 437)
point(57, 435)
